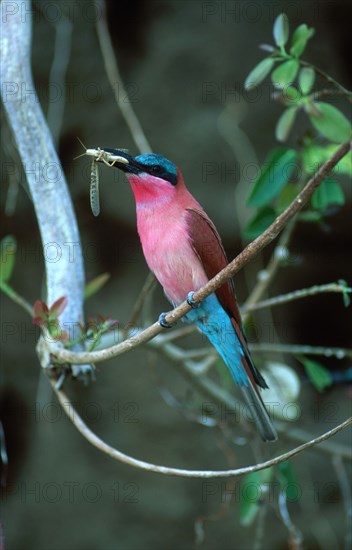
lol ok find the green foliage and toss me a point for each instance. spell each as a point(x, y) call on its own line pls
point(285, 123)
point(306, 79)
point(259, 222)
point(259, 73)
point(8, 248)
point(278, 183)
point(254, 485)
point(313, 156)
point(286, 196)
point(275, 172)
point(319, 375)
point(285, 73)
point(300, 39)
point(96, 328)
point(288, 480)
point(329, 192)
point(281, 30)
point(345, 292)
point(95, 285)
point(325, 118)
point(331, 123)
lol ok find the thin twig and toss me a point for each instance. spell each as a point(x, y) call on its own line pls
point(267, 275)
point(15, 297)
point(146, 290)
point(229, 271)
point(328, 78)
point(78, 422)
point(296, 539)
point(328, 92)
point(338, 353)
point(116, 82)
point(296, 295)
point(228, 402)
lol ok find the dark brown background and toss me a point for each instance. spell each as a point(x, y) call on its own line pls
point(170, 54)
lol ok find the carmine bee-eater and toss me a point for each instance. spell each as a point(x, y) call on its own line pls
point(183, 249)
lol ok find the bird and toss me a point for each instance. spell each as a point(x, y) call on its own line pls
point(183, 249)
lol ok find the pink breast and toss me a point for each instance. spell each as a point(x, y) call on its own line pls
point(168, 251)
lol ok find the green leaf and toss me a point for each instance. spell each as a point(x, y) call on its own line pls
point(332, 124)
point(259, 222)
point(285, 123)
point(287, 195)
point(95, 285)
point(288, 480)
point(310, 216)
point(300, 38)
point(8, 247)
point(306, 79)
point(251, 493)
point(285, 73)
point(260, 71)
point(319, 375)
point(328, 192)
point(281, 30)
point(274, 174)
point(345, 292)
point(314, 156)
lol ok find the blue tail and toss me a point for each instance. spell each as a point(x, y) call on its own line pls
point(215, 323)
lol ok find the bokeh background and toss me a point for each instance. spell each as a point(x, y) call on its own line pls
point(183, 64)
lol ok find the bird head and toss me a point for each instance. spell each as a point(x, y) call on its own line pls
point(152, 177)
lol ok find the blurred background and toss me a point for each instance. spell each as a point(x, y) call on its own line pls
point(183, 65)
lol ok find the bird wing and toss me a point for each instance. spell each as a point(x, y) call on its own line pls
point(207, 245)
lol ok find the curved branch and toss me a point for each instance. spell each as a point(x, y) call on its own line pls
point(179, 472)
point(229, 271)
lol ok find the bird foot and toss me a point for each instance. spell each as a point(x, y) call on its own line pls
point(162, 320)
point(190, 300)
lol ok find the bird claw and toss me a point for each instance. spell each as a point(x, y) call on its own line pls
point(162, 320)
point(190, 300)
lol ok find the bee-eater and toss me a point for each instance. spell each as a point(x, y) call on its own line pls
point(183, 249)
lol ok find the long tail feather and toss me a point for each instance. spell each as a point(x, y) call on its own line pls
point(258, 413)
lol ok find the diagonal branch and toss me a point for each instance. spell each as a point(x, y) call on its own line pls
point(229, 271)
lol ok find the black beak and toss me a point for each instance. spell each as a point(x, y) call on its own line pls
point(132, 166)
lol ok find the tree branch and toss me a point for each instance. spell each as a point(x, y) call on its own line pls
point(338, 353)
point(47, 184)
point(229, 271)
point(205, 474)
point(296, 295)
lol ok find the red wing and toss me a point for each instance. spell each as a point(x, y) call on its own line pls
point(207, 245)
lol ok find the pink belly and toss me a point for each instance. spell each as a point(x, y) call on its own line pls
point(170, 257)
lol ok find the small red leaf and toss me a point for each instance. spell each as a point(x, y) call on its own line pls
point(38, 321)
point(58, 307)
point(40, 309)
